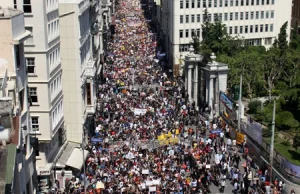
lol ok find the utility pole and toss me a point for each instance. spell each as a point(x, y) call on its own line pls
point(240, 104)
point(272, 141)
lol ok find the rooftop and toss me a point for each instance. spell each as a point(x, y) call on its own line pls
point(8, 12)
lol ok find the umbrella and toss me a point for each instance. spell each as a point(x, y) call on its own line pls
point(99, 185)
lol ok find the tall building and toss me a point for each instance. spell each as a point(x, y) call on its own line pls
point(84, 26)
point(43, 60)
point(296, 14)
point(17, 156)
point(257, 21)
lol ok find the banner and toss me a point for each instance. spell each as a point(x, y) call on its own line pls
point(253, 129)
point(227, 109)
point(240, 138)
point(139, 111)
point(289, 168)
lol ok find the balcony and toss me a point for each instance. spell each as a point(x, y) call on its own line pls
point(89, 110)
point(89, 69)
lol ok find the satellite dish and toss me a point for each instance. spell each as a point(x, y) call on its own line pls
point(95, 28)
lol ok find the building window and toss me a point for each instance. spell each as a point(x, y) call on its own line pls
point(21, 99)
point(30, 65)
point(262, 14)
point(262, 2)
point(241, 15)
point(257, 2)
point(268, 2)
point(220, 16)
point(187, 33)
point(209, 3)
point(257, 15)
point(27, 6)
point(187, 3)
point(193, 18)
point(204, 3)
point(246, 29)
point(242, 2)
point(267, 14)
point(181, 4)
point(209, 17)
point(187, 18)
point(221, 3)
point(236, 16)
point(193, 4)
point(271, 27)
point(272, 14)
point(225, 16)
point(184, 47)
point(29, 40)
point(198, 3)
point(198, 33)
point(236, 30)
point(35, 123)
point(273, 2)
point(180, 33)
point(193, 32)
point(88, 94)
point(231, 16)
point(251, 15)
point(268, 41)
point(256, 28)
point(17, 52)
point(215, 17)
point(198, 18)
point(241, 29)
point(251, 29)
point(247, 16)
point(181, 19)
point(261, 28)
point(15, 4)
point(252, 2)
point(230, 30)
point(266, 27)
point(236, 2)
point(226, 3)
point(215, 3)
point(231, 3)
point(247, 2)
point(33, 94)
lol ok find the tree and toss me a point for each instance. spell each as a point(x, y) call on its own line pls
point(296, 142)
point(196, 44)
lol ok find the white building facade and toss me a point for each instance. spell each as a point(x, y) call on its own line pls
point(257, 21)
point(42, 57)
point(14, 101)
point(78, 65)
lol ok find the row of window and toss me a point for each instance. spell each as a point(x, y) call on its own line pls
point(220, 3)
point(227, 16)
point(187, 33)
point(57, 114)
point(253, 42)
point(54, 58)
point(30, 63)
point(53, 30)
point(55, 86)
point(251, 29)
point(51, 5)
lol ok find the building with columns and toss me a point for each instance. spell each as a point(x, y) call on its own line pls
point(205, 82)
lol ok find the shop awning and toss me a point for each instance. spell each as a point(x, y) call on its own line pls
point(65, 154)
point(77, 158)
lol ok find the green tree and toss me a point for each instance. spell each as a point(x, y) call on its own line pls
point(282, 43)
point(296, 142)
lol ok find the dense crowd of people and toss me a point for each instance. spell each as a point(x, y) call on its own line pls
point(152, 138)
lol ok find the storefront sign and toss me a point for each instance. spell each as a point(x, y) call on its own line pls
point(43, 172)
point(240, 138)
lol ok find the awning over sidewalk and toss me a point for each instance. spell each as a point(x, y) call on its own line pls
point(77, 158)
point(65, 154)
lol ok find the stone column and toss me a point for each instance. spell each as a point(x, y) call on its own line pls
point(211, 93)
point(196, 85)
point(190, 81)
